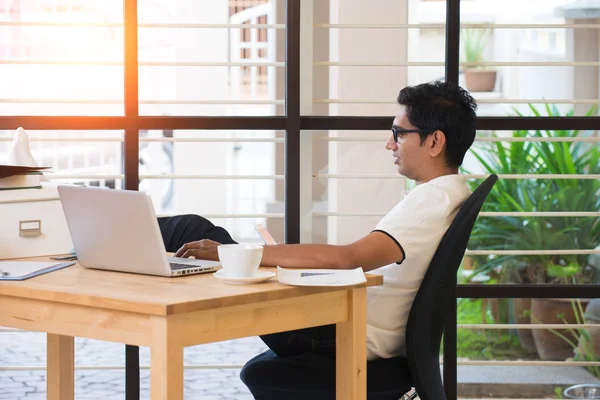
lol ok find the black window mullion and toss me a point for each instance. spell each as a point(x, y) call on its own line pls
point(513, 291)
point(211, 122)
point(535, 123)
point(450, 330)
point(310, 122)
point(358, 123)
point(452, 40)
point(292, 112)
point(131, 103)
point(130, 151)
point(49, 123)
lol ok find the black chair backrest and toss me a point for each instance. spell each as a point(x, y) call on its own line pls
point(429, 310)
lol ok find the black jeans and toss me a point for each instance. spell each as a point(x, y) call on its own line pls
point(319, 340)
point(181, 229)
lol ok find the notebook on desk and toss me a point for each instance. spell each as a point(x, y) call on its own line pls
point(117, 230)
point(16, 270)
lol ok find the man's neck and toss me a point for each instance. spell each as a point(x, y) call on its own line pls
point(436, 174)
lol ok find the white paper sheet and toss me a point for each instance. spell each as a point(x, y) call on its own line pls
point(320, 277)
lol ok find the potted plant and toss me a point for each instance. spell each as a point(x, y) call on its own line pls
point(477, 78)
point(586, 340)
point(541, 232)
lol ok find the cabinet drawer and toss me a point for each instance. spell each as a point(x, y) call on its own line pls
point(33, 228)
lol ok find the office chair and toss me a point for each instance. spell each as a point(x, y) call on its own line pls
point(387, 379)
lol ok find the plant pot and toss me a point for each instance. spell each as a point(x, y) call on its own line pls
point(589, 345)
point(499, 310)
point(480, 80)
point(521, 309)
point(552, 311)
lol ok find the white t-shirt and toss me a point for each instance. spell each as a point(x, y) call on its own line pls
point(417, 223)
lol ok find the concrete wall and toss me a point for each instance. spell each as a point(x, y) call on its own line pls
point(347, 45)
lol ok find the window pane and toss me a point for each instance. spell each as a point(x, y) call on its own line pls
point(191, 65)
point(82, 157)
point(216, 174)
point(524, 346)
point(61, 57)
point(355, 184)
point(380, 98)
point(566, 57)
point(568, 169)
point(364, 54)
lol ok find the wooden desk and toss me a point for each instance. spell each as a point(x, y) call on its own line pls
point(168, 314)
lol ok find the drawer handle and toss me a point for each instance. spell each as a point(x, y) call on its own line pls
point(31, 228)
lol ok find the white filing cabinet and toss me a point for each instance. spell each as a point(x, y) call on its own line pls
point(32, 223)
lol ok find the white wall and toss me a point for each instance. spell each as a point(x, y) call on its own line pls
point(346, 45)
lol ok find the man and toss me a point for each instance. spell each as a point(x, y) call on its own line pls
point(434, 128)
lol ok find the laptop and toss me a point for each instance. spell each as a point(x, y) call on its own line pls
point(117, 230)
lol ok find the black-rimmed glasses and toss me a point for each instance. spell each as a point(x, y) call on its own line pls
point(399, 132)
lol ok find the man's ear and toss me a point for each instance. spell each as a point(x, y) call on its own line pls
point(438, 143)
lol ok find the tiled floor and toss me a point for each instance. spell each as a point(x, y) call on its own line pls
point(29, 349)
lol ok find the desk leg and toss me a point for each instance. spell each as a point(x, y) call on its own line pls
point(351, 364)
point(60, 367)
point(166, 363)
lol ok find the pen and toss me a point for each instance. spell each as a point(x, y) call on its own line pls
point(65, 258)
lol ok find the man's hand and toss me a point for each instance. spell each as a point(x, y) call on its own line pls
point(202, 249)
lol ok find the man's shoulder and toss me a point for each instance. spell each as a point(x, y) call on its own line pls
point(442, 193)
point(453, 187)
point(447, 181)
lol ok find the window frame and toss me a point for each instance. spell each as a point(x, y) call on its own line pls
point(293, 122)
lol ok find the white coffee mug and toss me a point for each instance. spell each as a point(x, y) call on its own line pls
point(240, 260)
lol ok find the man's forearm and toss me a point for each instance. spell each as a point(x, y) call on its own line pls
point(308, 256)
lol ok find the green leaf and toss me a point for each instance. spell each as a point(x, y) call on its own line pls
point(561, 271)
point(541, 194)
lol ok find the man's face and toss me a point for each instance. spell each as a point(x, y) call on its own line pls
point(409, 155)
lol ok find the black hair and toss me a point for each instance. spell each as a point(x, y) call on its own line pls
point(446, 107)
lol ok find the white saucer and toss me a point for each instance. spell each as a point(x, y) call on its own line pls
point(259, 276)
